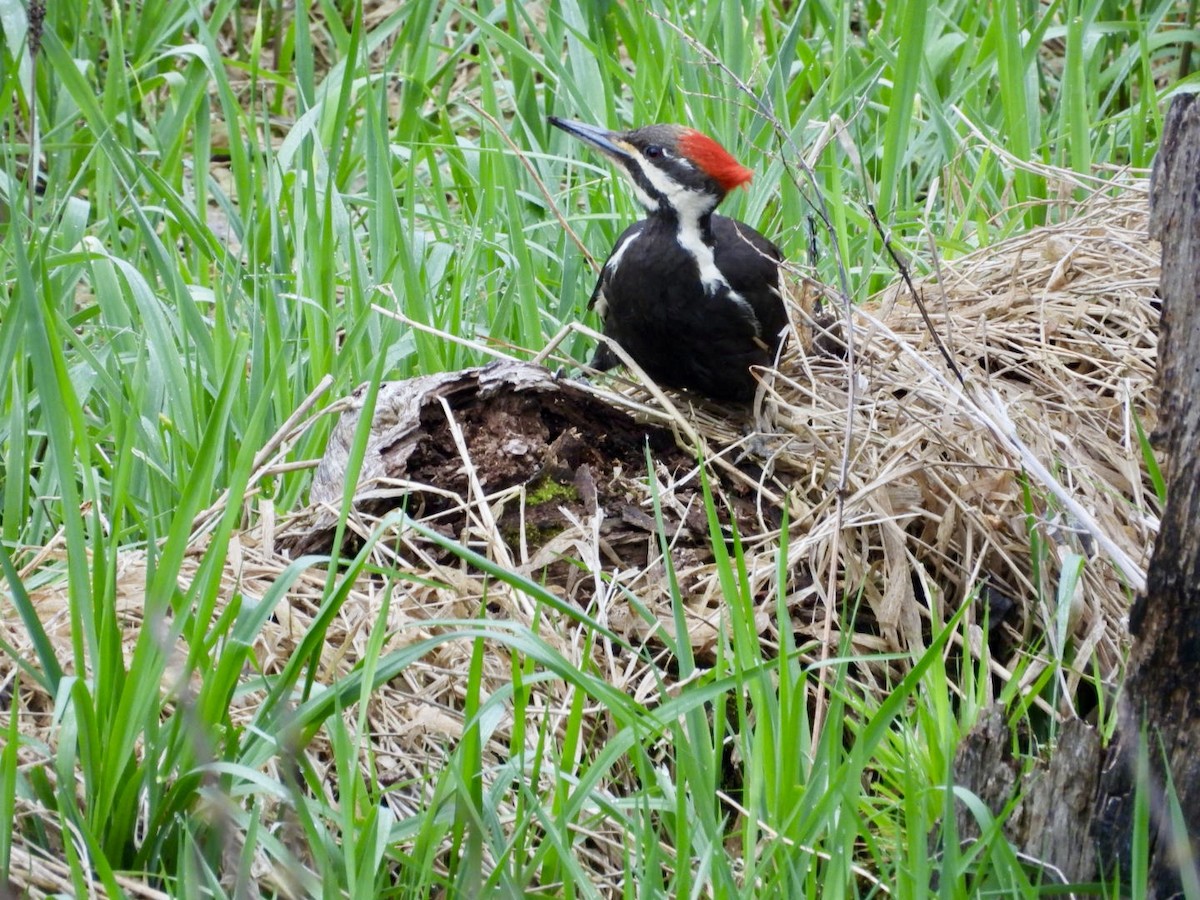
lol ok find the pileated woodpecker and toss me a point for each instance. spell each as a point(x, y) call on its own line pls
point(695, 298)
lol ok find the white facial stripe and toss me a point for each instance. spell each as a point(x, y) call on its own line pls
point(687, 202)
point(690, 205)
point(690, 240)
point(649, 203)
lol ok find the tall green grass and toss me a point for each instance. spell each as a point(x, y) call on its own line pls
point(221, 192)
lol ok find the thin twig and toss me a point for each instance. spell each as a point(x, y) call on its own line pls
point(545, 191)
point(902, 268)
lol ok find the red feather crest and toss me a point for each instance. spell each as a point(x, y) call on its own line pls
point(714, 159)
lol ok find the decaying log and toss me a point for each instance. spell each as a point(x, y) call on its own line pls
point(517, 424)
point(1050, 820)
point(508, 452)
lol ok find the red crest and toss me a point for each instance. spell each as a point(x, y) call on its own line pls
point(714, 159)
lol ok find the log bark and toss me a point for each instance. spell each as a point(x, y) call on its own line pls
point(1051, 821)
point(1162, 688)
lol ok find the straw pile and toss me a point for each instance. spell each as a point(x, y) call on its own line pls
point(943, 487)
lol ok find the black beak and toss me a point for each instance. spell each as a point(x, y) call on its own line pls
point(600, 138)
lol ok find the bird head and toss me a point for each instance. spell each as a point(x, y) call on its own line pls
point(673, 168)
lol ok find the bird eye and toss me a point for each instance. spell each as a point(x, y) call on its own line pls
point(654, 151)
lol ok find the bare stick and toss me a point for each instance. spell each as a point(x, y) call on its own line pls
point(902, 268)
point(524, 158)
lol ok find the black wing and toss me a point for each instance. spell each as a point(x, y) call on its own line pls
point(751, 263)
